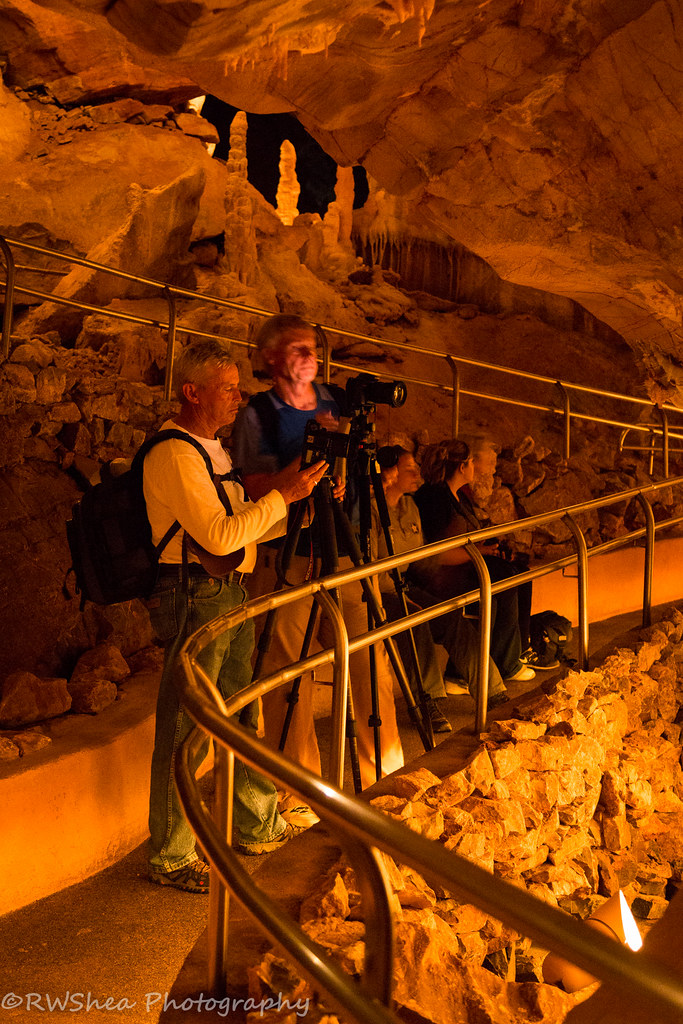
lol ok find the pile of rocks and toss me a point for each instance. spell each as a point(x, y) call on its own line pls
point(27, 699)
point(575, 797)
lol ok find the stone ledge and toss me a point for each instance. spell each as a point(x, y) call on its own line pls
point(80, 804)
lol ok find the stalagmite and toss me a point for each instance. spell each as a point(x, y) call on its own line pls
point(240, 238)
point(288, 188)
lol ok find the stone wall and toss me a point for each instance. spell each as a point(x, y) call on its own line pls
point(576, 795)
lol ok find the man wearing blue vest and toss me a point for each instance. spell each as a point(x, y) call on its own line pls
point(267, 440)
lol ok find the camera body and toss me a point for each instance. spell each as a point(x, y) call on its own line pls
point(320, 443)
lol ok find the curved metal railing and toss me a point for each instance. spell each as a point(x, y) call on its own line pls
point(362, 830)
point(450, 364)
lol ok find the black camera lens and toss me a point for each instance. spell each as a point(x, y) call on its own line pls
point(366, 389)
point(390, 392)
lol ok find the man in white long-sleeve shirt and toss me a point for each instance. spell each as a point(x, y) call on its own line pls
point(177, 487)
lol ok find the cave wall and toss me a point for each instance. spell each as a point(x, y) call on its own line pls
point(545, 139)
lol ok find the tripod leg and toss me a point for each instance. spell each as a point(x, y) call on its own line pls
point(293, 695)
point(375, 720)
point(379, 617)
point(325, 514)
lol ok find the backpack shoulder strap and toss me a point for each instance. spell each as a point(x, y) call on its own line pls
point(152, 442)
point(170, 435)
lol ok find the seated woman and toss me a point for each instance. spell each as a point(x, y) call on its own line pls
point(446, 511)
point(401, 476)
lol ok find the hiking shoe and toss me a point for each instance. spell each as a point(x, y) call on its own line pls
point(270, 845)
point(192, 878)
point(439, 721)
point(522, 675)
point(532, 659)
point(303, 815)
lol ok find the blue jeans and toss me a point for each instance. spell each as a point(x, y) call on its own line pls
point(175, 614)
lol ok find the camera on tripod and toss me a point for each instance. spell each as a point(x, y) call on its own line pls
point(320, 443)
point(362, 394)
point(366, 389)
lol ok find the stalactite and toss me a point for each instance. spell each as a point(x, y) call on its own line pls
point(288, 188)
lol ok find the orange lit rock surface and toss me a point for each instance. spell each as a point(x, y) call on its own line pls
point(545, 139)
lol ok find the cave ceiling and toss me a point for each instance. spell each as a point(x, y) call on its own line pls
point(545, 136)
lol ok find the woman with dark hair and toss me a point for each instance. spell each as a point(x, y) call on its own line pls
point(446, 510)
point(400, 477)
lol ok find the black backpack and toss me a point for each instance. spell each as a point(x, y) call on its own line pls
point(109, 535)
point(550, 636)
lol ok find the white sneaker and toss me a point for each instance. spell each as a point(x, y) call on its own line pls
point(301, 817)
point(522, 675)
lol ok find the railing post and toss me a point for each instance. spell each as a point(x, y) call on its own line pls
point(340, 687)
point(325, 345)
point(649, 558)
point(651, 456)
point(9, 297)
point(170, 343)
point(455, 409)
point(378, 973)
point(484, 635)
point(665, 439)
point(219, 895)
point(567, 420)
point(582, 582)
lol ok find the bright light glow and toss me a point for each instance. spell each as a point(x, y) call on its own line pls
point(632, 937)
point(614, 918)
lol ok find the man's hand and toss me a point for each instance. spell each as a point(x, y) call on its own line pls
point(338, 488)
point(297, 485)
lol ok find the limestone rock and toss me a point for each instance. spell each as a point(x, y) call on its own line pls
point(9, 751)
point(26, 698)
point(35, 354)
point(104, 661)
point(414, 784)
point(332, 902)
point(91, 693)
point(21, 380)
point(30, 741)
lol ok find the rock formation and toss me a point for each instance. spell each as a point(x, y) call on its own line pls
point(574, 796)
point(543, 139)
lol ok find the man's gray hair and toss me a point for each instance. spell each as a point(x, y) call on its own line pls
point(272, 330)
point(195, 360)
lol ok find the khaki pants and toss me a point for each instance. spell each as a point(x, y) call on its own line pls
point(285, 648)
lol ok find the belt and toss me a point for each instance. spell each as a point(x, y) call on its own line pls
point(174, 570)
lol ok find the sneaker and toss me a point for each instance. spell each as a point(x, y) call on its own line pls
point(439, 721)
point(522, 675)
point(532, 659)
point(302, 815)
point(192, 878)
point(256, 849)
